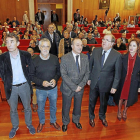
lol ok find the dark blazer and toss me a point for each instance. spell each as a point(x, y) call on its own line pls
point(56, 18)
point(109, 76)
point(117, 19)
point(71, 79)
point(126, 40)
point(135, 81)
point(76, 18)
point(37, 17)
point(122, 47)
point(6, 70)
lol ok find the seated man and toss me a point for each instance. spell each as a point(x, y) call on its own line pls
point(85, 46)
point(131, 24)
point(119, 45)
point(45, 72)
point(107, 30)
point(81, 35)
point(16, 21)
point(13, 25)
point(96, 34)
point(124, 30)
point(91, 40)
point(123, 38)
point(34, 46)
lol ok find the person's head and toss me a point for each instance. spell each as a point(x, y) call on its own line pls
point(96, 31)
point(50, 28)
point(25, 12)
point(77, 46)
point(26, 32)
point(17, 29)
point(124, 27)
point(123, 35)
point(78, 10)
point(109, 28)
point(119, 41)
point(83, 31)
point(12, 41)
point(30, 50)
point(77, 30)
point(133, 36)
point(76, 24)
point(15, 32)
point(14, 24)
point(54, 26)
point(108, 41)
point(44, 46)
point(54, 12)
point(0, 52)
point(115, 29)
point(89, 36)
point(132, 22)
point(32, 43)
point(134, 46)
point(38, 27)
point(22, 23)
point(84, 42)
point(90, 28)
point(34, 32)
point(69, 27)
point(66, 34)
point(4, 34)
point(117, 15)
point(15, 18)
point(39, 10)
point(81, 35)
point(5, 24)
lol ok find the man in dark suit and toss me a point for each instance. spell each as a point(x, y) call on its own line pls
point(117, 18)
point(14, 71)
point(123, 38)
point(74, 69)
point(105, 65)
point(53, 38)
point(124, 30)
point(77, 15)
point(39, 16)
point(54, 18)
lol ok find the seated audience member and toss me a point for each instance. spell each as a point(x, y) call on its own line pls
point(22, 25)
point(31, 51)
point(16, 21)
point(0, 52)
point(77, 31)
point(5, 25)
point(57, 31)
point(101, 23)
point(8, 22)
point(76, 26)
point(18, 31)
point(91, 40)
point(96, 24)
point(95, 19)
point(85, 46)
point(85, 22)
point(109, 22)
point(26, 35)
point(82, 28)
point(72, 22)
point(117, 25)
point(114, 30)
point(34, 46)
point(138, 34)
point(65, 44)
point(13, 25)
point(85, 33)
point(119, 45)
point(133, 36)
point(81, 35)
point(29, 28)
point(82, 19)
point(125, 22)
point(36, 25)
point(117, 18)
point(124, 30)
point(131, 24)
point(96, 34)
point(3, 39)
point(1, 29)
point(72, 33)
point(7, 31)
point(34, 34)
point(38, 30)
point(67, 23)
point(15, 32)
point(124, 39)
point(90, 30)
point(108, 30)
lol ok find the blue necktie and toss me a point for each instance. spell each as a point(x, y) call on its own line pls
point(102, 59)
point(77, 63)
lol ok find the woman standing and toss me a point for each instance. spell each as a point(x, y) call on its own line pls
point(130, 79)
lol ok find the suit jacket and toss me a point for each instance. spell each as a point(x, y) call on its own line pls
point(109, 76)
point(71, 79)
point(37, 17)
point(56, 18)
point(76, 18)
point(6, 70)
point(135, 81)
point(126, 40)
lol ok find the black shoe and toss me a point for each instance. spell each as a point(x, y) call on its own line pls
point(78, 125)
point(104, 122)
point(92, 123)
point(64, 128)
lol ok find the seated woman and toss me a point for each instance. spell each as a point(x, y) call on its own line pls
point(115, 30)
point(133, 36)
point(7, 31)
point(119, 45)
point(90, 30)
point(3, 39)
point(15, 32)
point(29, 28)
point(26, 35)
point(129, 85)
point(65, 44)
point(18, 31)
point(38, 30)
point(107, 30)
point(22, 25)
point(5, 25)
point(85, 22)
point(34, 34)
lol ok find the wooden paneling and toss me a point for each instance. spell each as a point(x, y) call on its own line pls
point(90, 8)
point(11, 8)
point(49, 1)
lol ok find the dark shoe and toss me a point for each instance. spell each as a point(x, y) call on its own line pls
point(64, 128)
point(40, 127)
point(31, 129)
point(56, 125)
point(13, 132)
point(92, 123)
point(124, 116)
point(119, 116)
point(78, 125)
point(104, 122)
point(111, 103)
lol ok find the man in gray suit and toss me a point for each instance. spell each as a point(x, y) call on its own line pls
point(105, 73)
point(74, 69)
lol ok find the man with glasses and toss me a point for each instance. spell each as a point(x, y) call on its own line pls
point(45, 72)
point(105, 67)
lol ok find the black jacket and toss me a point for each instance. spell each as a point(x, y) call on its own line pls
point(6, 70)
point(37, 17)
point(56, 18)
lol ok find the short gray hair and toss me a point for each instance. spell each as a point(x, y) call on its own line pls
point(44, 40)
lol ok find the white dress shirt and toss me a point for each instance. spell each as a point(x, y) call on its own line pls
point(74, 55)
point(106, 54)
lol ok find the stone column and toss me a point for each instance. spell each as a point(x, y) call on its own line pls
point(69, 10)
point(31, 11)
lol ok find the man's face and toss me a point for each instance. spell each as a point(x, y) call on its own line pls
point(45, 48)
point(69, 28)
point(32, 43)
point(81, 35)
point(53, 12)
point(77, 46)
point(123, 35)
point(30, 50)
point(39, 10)
point(50, 29)
point(96, 32)
point(89, 36)
point(11, 44)
point(14, 24)
point(84, 43)
point(66, 35)
point(106, 42)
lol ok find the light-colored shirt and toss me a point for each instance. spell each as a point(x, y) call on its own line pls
point(51, 36)
point(18, 75)
point(74, 55)
point(131, 25)
point(105, 31)
point(106, 54)
point(39, 15)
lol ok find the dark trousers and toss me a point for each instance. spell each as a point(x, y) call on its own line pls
point(93, 95)
point(66, 104)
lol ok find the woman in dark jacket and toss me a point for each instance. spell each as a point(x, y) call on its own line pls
point(130, 79)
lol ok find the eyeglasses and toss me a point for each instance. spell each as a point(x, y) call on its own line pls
point(106, 40)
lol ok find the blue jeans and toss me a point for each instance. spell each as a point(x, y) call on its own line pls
point(41, 100)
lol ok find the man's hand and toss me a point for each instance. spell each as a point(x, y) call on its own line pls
point(138, 89)
point(52, 83)
point(45, 84)
point(89, 82)
point(113, 90)
point(78, 89)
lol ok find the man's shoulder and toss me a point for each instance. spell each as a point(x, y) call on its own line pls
point(3, 56)
point(66, 56)
point(116, 53)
